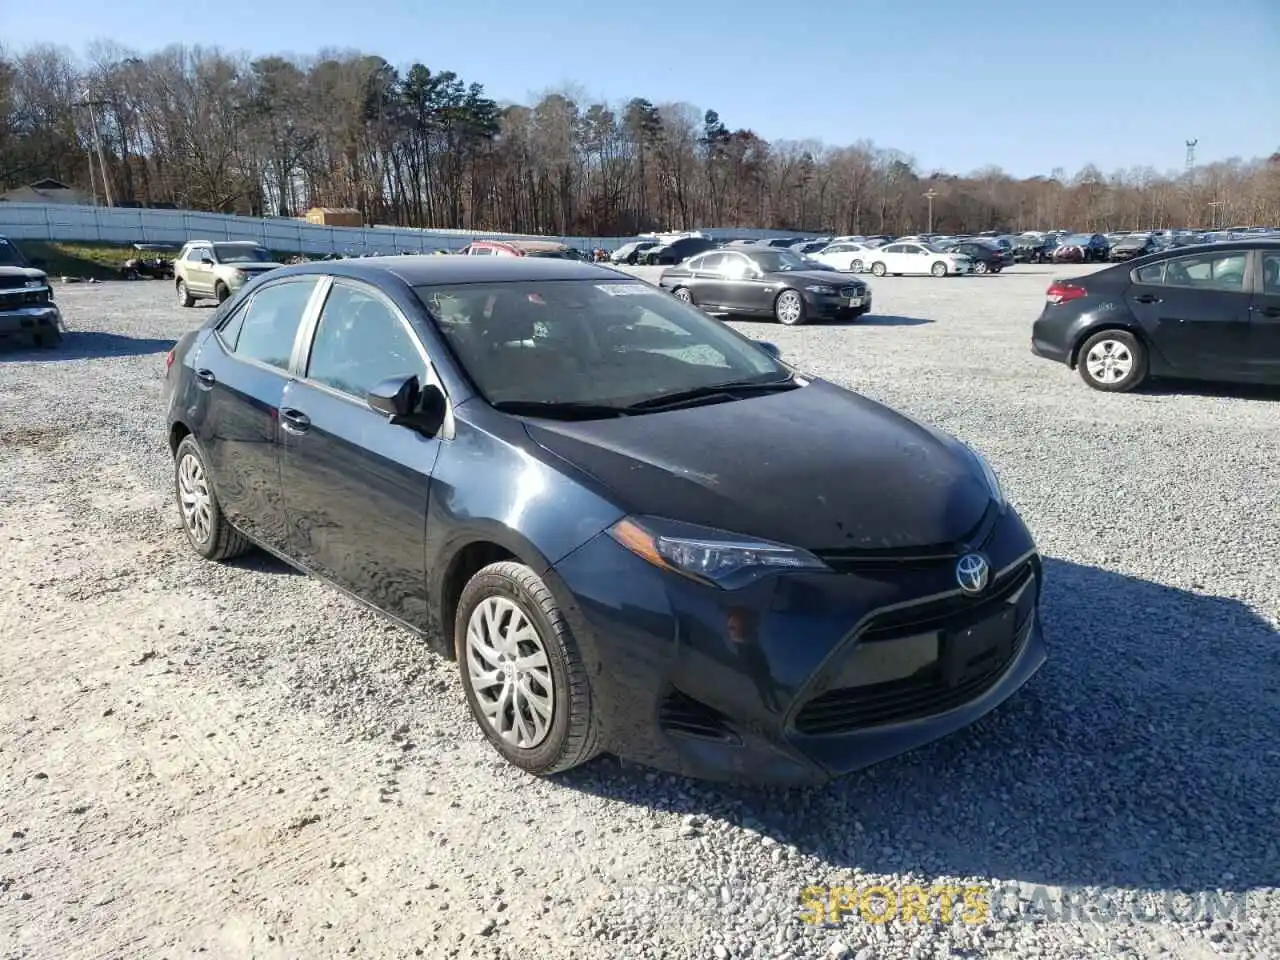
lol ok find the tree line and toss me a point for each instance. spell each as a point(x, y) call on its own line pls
point(204, 129)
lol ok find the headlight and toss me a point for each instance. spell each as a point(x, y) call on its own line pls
point(822, 290)
point(712, 556)
point(240, 275)
point(34, 283)
point(989, 475)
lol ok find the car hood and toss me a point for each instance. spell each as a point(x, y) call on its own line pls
point(817, 467)
point(25, 273)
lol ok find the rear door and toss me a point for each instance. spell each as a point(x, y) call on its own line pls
point(707, 281)
point(241, 375)
point(745, 288)
point(1196, 310)
point(355, 486)
point(1264, 319)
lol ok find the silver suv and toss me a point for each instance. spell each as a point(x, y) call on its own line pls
point(214, 269)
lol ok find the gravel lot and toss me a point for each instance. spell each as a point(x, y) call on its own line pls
point(237, 760)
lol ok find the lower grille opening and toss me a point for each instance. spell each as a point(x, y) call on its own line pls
point(680, 714)
point(924, 694)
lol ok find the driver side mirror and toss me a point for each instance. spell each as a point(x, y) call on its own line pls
point(406, 403)
point(206, 258)
point(772, 349)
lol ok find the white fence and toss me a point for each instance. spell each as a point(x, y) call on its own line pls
point(39, 221)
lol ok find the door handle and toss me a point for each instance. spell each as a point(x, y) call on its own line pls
point(295, 421)
point(205, 378)
point(1148, 298)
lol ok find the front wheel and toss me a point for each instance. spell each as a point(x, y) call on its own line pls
point(1114, 361)
point(789, 308)
point(979, 267)
point(855, 267)
point(878, 269)
point(221, 292)
point(185, 299)
point(206, 528)
point(939, 269)
point(683, 295)
point(524, 677)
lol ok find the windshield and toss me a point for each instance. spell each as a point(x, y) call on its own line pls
point(11, 256)
point(240, 253)
point(1077, 240)
point(933, 247)
point(780, 261)
point(581, 342)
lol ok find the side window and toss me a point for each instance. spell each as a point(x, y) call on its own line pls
point(359, 342)
point(839, 248)
point(736, 266)
point(481, 252)
point(194, 254)
point(1223, 271)
point(712, 263)
point(1151, 273)
point(895, 248)
point(1271, 273)
point(269, 323)
point(229, 329)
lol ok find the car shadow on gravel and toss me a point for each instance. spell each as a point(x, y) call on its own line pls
point(87, 345)
point(1203, 388)
point(1143, 755)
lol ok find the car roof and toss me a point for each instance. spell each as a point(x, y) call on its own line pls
point(426, 269)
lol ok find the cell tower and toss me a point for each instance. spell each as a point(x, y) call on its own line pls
point(1191, 156)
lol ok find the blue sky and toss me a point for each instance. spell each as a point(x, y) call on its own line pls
point(1028, 86)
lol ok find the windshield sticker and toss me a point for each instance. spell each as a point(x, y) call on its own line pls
point(624, 289)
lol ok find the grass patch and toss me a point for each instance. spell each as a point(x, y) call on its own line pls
point(90, 261)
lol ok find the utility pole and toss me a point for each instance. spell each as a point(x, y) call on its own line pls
point(929, 196)
point(1191, 175)
point(1213, 213)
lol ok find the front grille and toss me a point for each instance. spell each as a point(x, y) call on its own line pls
point(924, 693)
point(679, 713)
point(11, 300)
point(854, 290)
point(8, 283)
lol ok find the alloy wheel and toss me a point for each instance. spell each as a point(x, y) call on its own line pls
point(194, 498)
point(683, 294)
point(510, 673)
point(1109, 361)
point(790, 307)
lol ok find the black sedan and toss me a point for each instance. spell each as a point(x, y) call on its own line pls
point(986, 257)
point(676, 251)
point(1208, 313)
point(635, 530)
point(766, 282)
point(1132, 247)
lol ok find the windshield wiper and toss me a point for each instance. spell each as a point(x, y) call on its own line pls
point(559, 409)
point(712, 390)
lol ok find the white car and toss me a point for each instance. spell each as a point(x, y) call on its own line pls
point(848, 256)
point(918, 259)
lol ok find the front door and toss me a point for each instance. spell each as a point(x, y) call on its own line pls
point(242, 372)
point(198, 270)
point(745, 289)
point(1196, 309)
point(355, 486)
point(1264, 321)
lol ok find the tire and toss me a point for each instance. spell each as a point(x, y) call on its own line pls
point(185, 299)
point(217, 539)
point(511, 592)
point(878, 269)
point(683, 295)
point(789, 308)
point(855, 267)
point(1128, 366)
point(997, 269)
point(979, 267)
point(221, 292)
point(47, 340)
point(939, 269)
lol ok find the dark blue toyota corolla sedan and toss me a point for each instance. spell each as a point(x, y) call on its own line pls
point(636, 531)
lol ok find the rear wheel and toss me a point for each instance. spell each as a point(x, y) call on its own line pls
point(524, 677)
point(682, 294)
point(878, 269)
point(206, 528)
point(979, 267)
point(1113, 361)
point(856, 266)
point(789, 308)
point(939, 269)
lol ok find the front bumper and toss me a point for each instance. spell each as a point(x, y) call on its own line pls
point(823, 307)
point(31, 321)
point(797, 678)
